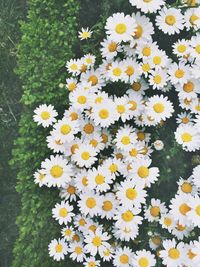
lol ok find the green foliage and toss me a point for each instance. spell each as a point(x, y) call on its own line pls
point(49, 35)
point(10, 92)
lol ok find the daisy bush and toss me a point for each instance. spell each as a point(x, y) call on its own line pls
point(103, 146)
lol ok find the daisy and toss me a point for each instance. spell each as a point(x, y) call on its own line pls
point(155, 210)
point(71, 84)
point(89, 203)
point(181, 48)
point(85, 155)
point(104, 114)
point(96, 242)
point(190, 256)
point(145, 48)
point(89, 60)
point(194, 252)
point(91, 262)
point(195, 105)
point(113, 165)
point(158, 59)
point(94, 77)
point(126, 233)
point(62, 212)
point(73, 66)
point(179, 73)
point(135, 152)
point(85, 34)
point(131, 194)
point(170, 21)
point(58, 249)
point(159, 107)
point(188, 137)
point(68, 233)
point(65, 130)
point(123, 257)
point(77, 251)
point(179, 208)
point(194, 214)
point(144, 258)
point(155, 241)
point(136, 103)
point(57, 170)
point(45, 115)
point(196, 175)
point(147, 6)
point(181, 231)
point(110, 49)
point(106, 254)
point(55, 144)
point(123, 108)
point(184, 118)
point(188, 90)
point(159, 145)
point(186, 186)
point(192, 18)
point(109, 206)
point(40, 177)
point(158, 79)
point(69, 192)
point(79, 99)
point(117, 72)
point(96, 141)
point(142, 171)
point(125, 138)
point(172, 254)
point(120, 27)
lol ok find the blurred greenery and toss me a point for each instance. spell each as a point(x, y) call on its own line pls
point(10, 93)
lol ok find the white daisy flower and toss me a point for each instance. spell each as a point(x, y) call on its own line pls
point(57, 170)
point(167, 222)
point(77, 251)
point(184, 118)
point(159, 145)
point(109, 206)
point(196, 175)
point(126, 233)
point(116, 71)
point(96, 242)
point(63, 212)
point(91, 262)
point(68, 233)
point(120, 27)
point(173, 254)
point(194, 214)
point(58, 249)
point(178, 73)
point(155, 210)
point(65, 130)
point(90, 203)
point(45, 115)
point(192, 18)
point(40, 177)
point(170, 20)
point(106, 254)
point(144, 258)
point(110, 48)
point(158, 79)
point(125, 138)
point(55, 144)
point(145, 48)
point(187, 186)
point(131, 73)
point(85, 34)
point(85, 156)
point(69, 192)
point(123, 257)
point(181, 48)
point(189, 90)
point(94, 77)
point(73, 66)
point(155, 241)
point(71, 84)
point(181, 231)
point(89, 60)
point(147, 6)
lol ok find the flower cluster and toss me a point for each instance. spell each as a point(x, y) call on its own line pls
point(102, 148)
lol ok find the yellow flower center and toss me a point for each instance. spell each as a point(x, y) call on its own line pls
point(74, 116)
point(127, 216)
point(71, 190)
point(82, 222)
point(133, 105)
point(130, 70)
point(99, 179)
point(45, 115)
point(74, 67)
point(74, 147)
point(185, 120)
point(117, 72)
point(121, 109)
point(58, 248)
point(85, 155)
point(198, 210)
point(93, 79)
point(92, 264)
point(133, 152)
point(181, 48)
point(98, 100)
point(76, 238)
point(143, 262)
point(158, 107)
point(157, 60)
point(131, 193)
point(72, 86)
point(112, 47)
point(155, 211)
point(186, 137)
point(191, 255)
point(97, 241)
point(107, 205)
point(82, 99)
point(124, 259)
point(157, 79)
point(174, 253)
point(63, 212)
point(146, 51)
point(167, 221)
point(193, 19)
point(106, 252)
point(88, 128)
point(139, 31)
point(78, 250)
point(56, 171)
point(85, 35)
point(65, 129)
point(184, 209)
point(179, 73)
point(105, 138)
point(146, 67)
point(113, 168)
point(94, 142)
point(188, 87)
point(103, 114)
point(121, 28)
point(141, 136)
point(143, 172)
point(136, 86)
point(186, 187)
point(197, 49)
point(68, 232)
point(125, 140)
point(180, 227)
point(91, 203)
point(170, 20)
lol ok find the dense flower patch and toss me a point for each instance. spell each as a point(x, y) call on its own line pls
point(102, 146)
